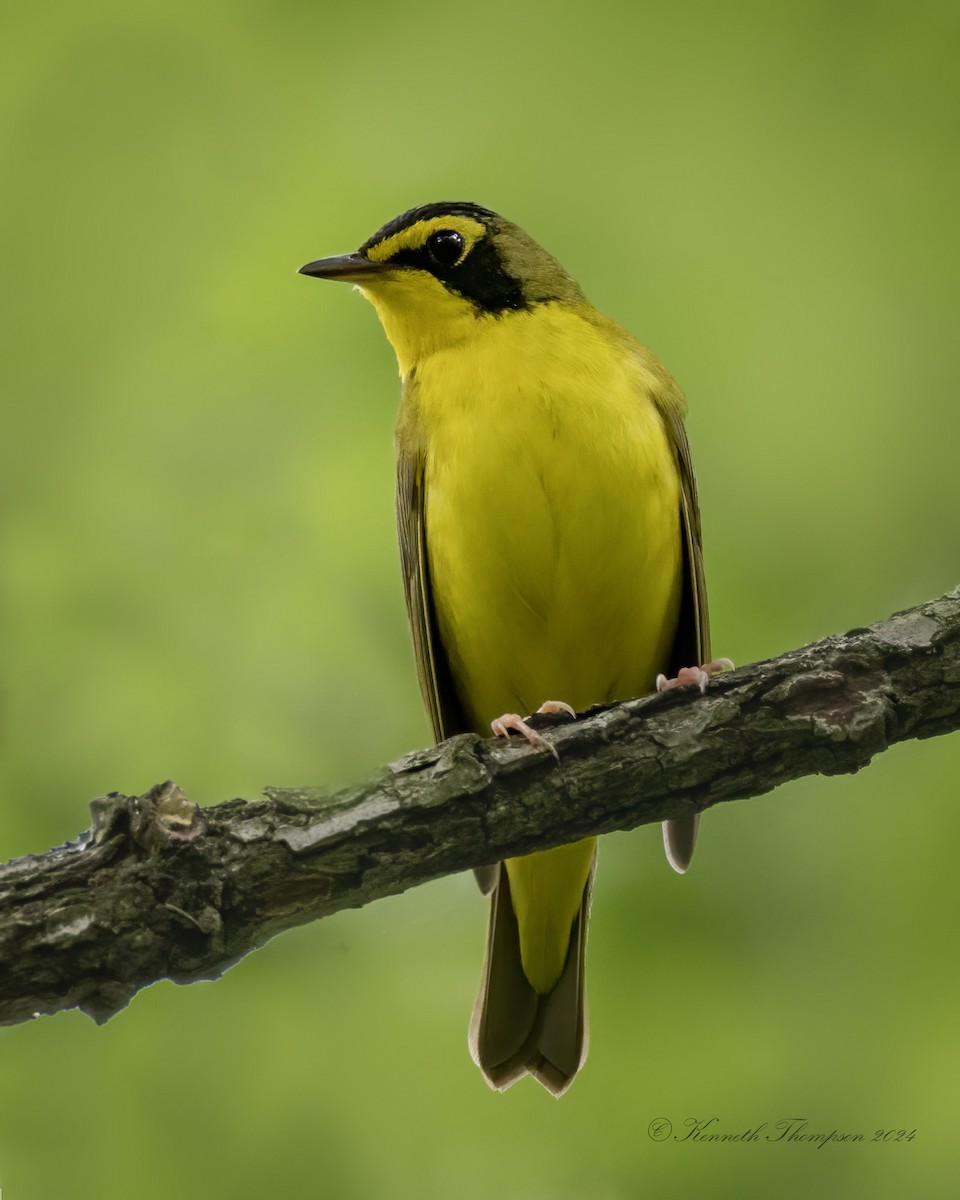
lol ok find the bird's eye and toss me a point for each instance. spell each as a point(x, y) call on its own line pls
point(445, 247)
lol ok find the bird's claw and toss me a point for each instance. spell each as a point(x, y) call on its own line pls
point(698, 675)
point(513, 722)
point(503, 726)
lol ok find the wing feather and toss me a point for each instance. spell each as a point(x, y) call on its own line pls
point(433, 669)
point(691, 645)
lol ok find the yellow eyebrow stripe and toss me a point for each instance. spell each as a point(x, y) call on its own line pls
point(414, 236)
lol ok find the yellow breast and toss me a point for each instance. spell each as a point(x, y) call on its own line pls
point(552, 515)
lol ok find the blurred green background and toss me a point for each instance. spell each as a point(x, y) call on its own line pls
point(200, 579)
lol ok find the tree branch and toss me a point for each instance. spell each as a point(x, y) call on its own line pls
point(161, 888)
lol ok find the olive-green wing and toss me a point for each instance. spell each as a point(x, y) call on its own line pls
point(691, 645)
point(433, 670)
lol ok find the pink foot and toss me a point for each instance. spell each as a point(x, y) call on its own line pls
point(698, 675)
point(502, 726)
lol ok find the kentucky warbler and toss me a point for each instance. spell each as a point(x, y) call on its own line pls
point(550, 543)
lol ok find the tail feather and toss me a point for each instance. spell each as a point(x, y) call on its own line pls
point(679, 839)
point(516, 1031)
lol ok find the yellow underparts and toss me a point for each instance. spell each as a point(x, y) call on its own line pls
point(547, 890)
point(552, 519)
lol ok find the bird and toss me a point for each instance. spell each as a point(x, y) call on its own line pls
point(551, 552)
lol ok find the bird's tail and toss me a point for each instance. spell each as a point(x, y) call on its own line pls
point(517, 1031)
point(679, 839)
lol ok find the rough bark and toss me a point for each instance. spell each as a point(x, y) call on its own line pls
point(158, 887)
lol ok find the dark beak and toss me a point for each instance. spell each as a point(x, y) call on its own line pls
point(343, 266)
